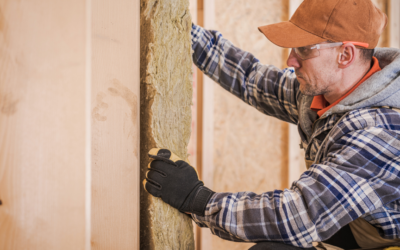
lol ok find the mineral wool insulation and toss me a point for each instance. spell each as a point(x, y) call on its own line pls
point(166, 99)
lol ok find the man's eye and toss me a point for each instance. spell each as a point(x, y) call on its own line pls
point(303, 50)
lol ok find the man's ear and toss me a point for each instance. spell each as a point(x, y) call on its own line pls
point(347, 55)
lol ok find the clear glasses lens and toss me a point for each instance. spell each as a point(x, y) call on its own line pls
point(307, 52)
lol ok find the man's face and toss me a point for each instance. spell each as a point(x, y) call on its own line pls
point(318, 75)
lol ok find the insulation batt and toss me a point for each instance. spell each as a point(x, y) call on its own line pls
point(169, 76)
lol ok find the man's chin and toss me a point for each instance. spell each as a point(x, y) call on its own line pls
point(306, 91)
point(302, 87)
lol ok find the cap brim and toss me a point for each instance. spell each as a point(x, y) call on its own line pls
point(288, 35)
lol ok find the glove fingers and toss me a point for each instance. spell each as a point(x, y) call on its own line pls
point(161, 165)
point(152, 188)
point(156, 175)
point(163, 155)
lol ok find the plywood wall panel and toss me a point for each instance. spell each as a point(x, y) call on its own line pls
point(383, 5)
point(42, 125)
point(250, 149)
point(115, 124)
point(166, 99)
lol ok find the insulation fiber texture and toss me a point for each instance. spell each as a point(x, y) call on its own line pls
point(169, 73)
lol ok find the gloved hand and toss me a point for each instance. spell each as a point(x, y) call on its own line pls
point(176, 182)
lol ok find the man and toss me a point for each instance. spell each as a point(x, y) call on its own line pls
point(344, 101)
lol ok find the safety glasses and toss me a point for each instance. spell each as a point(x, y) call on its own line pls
point(312, 51)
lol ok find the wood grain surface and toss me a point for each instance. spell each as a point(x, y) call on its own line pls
point(42, 125)
point(115, 124)
point(55, 57)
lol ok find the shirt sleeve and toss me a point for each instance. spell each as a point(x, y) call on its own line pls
point(270, 90)
point(359, 174)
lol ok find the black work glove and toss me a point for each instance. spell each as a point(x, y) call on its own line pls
point(176, 182)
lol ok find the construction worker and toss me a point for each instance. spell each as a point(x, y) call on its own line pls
point(343, 94)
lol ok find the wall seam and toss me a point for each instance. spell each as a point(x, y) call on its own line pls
point(88, 130)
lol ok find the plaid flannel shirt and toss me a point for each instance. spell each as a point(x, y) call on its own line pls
point(357, 170)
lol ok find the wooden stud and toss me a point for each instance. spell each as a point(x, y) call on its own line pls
point(200, 77)
point(199, 136)
point(205, 146)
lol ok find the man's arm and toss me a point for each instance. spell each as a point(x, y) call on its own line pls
point(358, 175)
point(270, 90)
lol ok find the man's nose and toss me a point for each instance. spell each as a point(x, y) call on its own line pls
point(292, 60)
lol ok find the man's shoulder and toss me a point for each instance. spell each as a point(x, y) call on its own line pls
point(370, 118)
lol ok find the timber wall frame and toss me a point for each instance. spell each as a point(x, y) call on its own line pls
point(69, 126)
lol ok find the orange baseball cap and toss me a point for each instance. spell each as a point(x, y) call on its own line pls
point(316, 21)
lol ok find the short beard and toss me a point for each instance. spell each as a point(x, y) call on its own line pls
point(308, 90)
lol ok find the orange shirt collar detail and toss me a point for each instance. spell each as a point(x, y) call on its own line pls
point(320, 105)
